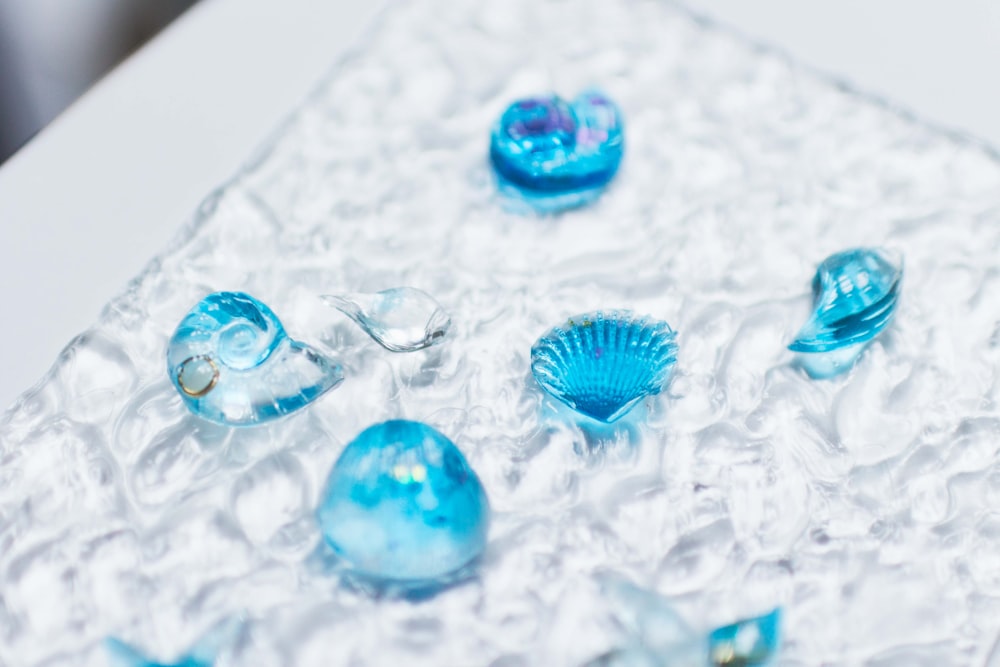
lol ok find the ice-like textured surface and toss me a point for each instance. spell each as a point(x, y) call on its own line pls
point(401, 503)
point(866, 505)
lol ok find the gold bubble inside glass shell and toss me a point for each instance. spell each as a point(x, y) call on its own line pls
point(197, 375)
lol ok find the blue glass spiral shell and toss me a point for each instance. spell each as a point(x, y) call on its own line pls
point(402, 504)
point(555, 154)
point(753, 641)
point(232, 363)
point(601, 364)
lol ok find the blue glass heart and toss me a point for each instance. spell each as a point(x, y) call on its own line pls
point(557, 155)
point(601, 364)
point(753, 641)
point(232, 363)
point(855, 294)
point(402, 504)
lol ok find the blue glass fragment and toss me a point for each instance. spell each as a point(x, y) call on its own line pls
point(232, 363)
point(202, 654)
point(754, 641)
point(402, 319)
point(655, 632)
point(557, 155)
point(601, 364)
point(855, 294)
point(402, 504)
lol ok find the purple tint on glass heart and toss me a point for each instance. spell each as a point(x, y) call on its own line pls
point(541, 117)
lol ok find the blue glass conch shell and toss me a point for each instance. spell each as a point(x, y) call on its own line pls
point(754, 641)
point(601, 364)
point(402, 504)
point(402, 319)
point(855, 294)
point(232, 363)
point(556, 154)
point(202, 654)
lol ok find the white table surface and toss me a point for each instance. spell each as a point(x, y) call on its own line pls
point(95, 196)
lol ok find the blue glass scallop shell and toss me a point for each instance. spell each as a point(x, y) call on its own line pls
point(601, 364)
point(402, 504)
point(556, 154)
point(855, 294)
point(232, 363)
point(753, 641)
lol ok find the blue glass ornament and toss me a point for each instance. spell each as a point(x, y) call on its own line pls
point(557, 155)
point(402, 504)
point(402, 319)
point(601, 364)
point(202, 654)
point(655, 635)
point(855, 294)
point(754, 641)
point(232, 363)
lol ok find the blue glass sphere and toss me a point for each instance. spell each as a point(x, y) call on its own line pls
point(601, 364)
point(554, 154)
point(232, 363)
point(402, 504)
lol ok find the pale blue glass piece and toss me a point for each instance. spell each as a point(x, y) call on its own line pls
point(401, 319)
point(402, 504)
point(203, 654)
point(232, 363)
point(656, 633)
point(555, 154)
point(601, 364)
point(754, 641)
point(855, 294)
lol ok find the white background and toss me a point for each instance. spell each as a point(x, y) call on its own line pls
point(100, 192)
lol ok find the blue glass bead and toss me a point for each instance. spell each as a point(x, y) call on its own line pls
point(232, 363)
point(601, 364)
point(557, 155)
point(754, 641)
point(855, 294)
point(402, 504)
point(402, 319)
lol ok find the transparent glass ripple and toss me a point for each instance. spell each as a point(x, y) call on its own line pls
point(400, 319)
point(864, 505)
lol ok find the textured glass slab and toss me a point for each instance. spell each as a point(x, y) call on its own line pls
point(865, 505)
